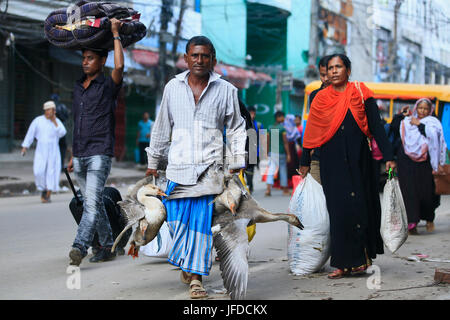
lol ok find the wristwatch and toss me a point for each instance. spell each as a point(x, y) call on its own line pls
point(117, 38)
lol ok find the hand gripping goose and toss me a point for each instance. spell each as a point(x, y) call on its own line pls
point(230, 235)
point(142, 207)
point(230, 198)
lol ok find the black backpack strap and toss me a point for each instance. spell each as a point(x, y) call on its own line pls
point(71, 186)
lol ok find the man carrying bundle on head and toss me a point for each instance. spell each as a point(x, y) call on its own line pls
point(94, 102)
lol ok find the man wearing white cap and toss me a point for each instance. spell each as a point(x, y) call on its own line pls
point(47, 130)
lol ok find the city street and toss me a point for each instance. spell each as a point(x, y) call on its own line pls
point(138, 86)
point(35, 240)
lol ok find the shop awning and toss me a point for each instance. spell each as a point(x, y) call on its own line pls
point(145, 57)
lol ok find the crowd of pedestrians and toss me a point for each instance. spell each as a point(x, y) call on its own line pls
point(336, 146)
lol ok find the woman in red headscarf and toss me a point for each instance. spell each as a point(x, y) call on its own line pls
point(342, 118)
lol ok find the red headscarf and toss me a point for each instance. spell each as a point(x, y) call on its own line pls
point(328, 110)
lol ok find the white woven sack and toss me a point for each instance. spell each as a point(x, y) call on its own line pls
point(308, 249)
point(394, 222)
point(160, 246)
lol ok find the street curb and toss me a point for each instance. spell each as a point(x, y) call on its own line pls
point(15, 189)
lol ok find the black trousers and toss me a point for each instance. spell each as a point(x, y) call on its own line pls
point(142, 152)
point(249, 172)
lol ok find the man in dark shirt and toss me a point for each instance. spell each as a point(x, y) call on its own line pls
point(94, 102)
point(315, 156)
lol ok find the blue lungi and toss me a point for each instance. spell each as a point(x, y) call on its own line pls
point(189, 221)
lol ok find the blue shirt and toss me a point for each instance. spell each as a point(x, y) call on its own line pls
point(145, 128)
point(93, 116)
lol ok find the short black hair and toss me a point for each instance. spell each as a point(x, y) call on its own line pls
point(251, 108)
point(323, 62)
point(343, 57)
point(201, 41)
point(279, 114)
point(102, 53)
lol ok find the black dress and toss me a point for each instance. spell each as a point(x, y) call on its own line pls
point(416, 180)
point(347, 171)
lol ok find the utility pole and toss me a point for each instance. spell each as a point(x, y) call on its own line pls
point(177, 37)
point(164, 37)
point(314, 39)
point(393, 43)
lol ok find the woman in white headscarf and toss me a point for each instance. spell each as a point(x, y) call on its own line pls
point(422, 152)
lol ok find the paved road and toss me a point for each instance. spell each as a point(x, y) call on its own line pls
point(35, 240)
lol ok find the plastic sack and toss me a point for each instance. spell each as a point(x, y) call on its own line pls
point(309, 249)
point(394, 222)
point(160, 246)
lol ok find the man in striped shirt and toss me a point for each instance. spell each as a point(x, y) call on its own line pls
point(196, 107)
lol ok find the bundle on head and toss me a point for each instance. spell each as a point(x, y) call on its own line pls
point(87, 25)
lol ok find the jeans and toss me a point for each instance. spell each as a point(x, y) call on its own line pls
point(91, 174)
point(277, 160)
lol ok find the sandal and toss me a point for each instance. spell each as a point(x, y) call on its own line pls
point(338, 274)
point(196, 290)
point(413, 232)
point(359, 270)
point(185, 277)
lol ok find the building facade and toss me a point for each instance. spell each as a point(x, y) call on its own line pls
point(270, 36)
point(388, 40)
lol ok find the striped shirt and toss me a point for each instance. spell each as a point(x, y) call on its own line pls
point(190, 135)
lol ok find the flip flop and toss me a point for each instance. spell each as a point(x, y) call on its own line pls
point(185, 277)
point(196, 290)
point(338, 274)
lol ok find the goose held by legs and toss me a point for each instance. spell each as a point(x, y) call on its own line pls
point(142, 208)
point(230, 198)
point(231, 240)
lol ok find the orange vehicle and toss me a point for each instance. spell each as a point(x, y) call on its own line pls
point(391, 97)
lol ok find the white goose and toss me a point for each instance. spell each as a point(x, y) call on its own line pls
point(230, 198)
point(231, 240)
point(142, 207)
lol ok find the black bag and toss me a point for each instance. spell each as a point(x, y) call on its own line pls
point(110, 198)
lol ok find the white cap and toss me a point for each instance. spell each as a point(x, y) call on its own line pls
point(49, 104)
